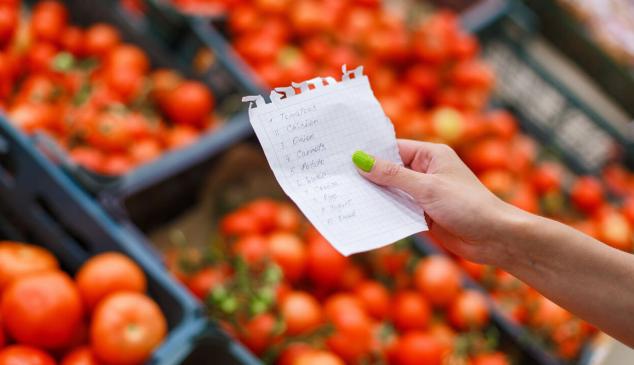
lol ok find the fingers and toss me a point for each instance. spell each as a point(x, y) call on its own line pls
point(390, 174)
point(418, 155)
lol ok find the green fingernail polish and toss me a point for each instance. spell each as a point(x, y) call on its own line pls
point(363, 160)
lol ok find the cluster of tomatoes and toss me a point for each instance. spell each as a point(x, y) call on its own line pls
point(95, 95)
point(100, 317)
point(280, 288)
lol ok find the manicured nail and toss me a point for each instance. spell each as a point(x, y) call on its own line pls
point(363, 160)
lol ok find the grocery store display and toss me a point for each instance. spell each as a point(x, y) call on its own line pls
point(95, 95)
point(44, 309)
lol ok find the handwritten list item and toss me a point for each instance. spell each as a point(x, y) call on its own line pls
point(308, 139)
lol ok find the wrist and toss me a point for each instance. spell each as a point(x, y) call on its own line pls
point(512, 237)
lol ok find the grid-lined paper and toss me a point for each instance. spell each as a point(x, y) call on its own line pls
point(308, 140)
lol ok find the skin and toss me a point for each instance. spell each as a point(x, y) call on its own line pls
point(581, 274)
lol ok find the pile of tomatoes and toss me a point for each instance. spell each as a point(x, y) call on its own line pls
point(279, 287)
point(92, 93)
point(102, 316)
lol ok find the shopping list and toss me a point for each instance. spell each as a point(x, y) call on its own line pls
point(308, 132)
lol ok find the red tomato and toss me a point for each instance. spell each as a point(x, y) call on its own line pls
point(117, 165)
point(126, 327)
point(548, 315)
point(259, 333)
point(617, 178)
point(189, 104)
point(438, 279)
point(24, 355)
point(423, 78)
point(40, 57)
point(80, 356)
point(8, 22)
point(239, 223)
point(374, 297)
point(301, 312)
point(289, 253)
point(501, 124)
point(253, 248)
point(49, 322)
point(410, 311)
point(469, 310)
point(616, 231)
point(292, 352)
point(342, 303)
point(127, 57)
point(432, 43)
point(205, 280)
point(474, 74)
point(488, 154)
point(288, 219)
point(587, 194)
point(352, 339)
point(20, 259)
point(244, 18)
point(73, 40)
point(418, 347)
point(628, 209)
point(110, 131)
point(265, 212)
point(181, 136)
point(325, 266)
point(99, 39)
point(475, 270)
point(306, 17)
point(48, 21)
point(524, 197)
point(32, 117)
point(163, 82)
point(445, 336)
point(494, 358)
point(547, 177)
point(465, 46)
point(126, 83)
point(107, 273)
point(145, 150)
point(352, 277)
point(318, 357)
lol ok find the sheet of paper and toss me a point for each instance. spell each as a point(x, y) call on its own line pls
point(308, 139)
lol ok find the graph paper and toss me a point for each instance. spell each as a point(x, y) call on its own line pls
point(308, 132)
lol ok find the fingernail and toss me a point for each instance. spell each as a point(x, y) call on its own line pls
point(363, 160)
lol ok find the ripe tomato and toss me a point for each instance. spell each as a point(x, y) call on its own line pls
point(40, 57)
point(73, 40)
point(474, 74)
point(306, 17)
point(352, 339)
point(628, 209)
point(465, 46)
point(8, 22)
point(80, 356)
point(239, 223)
point(24, 355)
point(127, 83)
point(48, 21)
point(488, 154)
point(587, 194)
point(107, 273)
point(163, 82)
point(493, 358)
point(432, 43)
point(548, 315)
point(265, 212)
point(259, 333)
point(325, 266)
point(116, 165)
point(318, 357)
point(145, 150)
point(374, 297)
point(445, 336)
point(181, 136)
point(201, 283)
point(469, 310)
point(99, 39)
point(547, 177)
point(410, 311)
point(292, 352)
point(289, 253)
point(253, 248)
point(301, 312)
point(127, 57)
point(438, 279)
point(424, 79)
point(18, 260)
point(416, 347)
point(126, 327)
point(189, 104)
point(49, 322)
point(288, 219)
point(501, 124)
point(616, 231)
point(243, 19)
point(110, 131)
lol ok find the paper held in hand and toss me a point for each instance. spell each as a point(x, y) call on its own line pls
point(309, 138)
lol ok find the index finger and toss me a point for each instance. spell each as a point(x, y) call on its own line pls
point(417, 154)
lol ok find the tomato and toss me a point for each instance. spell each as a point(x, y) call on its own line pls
point(126, 327)
point(548, 315)
point(469, 310)
point(146, 150)
point(374, 297)
point(352, 339)
point(301, 312)
point(99, 39)
point(423, 78)
point(73, 40)
point(628, 209)
point(416, 347)
point(494, 358)
point(306, 17)
point(253, 248)
point(287, 219)
point(40, 57)
point(352, 276)
point(410, 311)
point(239, 223)
point(473, 74)
point(488, 154)
point(587, 194)
point(325, 266)
point(524, 197)
point(244, 18)
point(547, 177)
point(189, 104)
point(107, 273)
point(259, 333)
point(201, 283)
point(292, 352)
point(117, 165)
point(289, 253)
point(318, 358)
point(24, 355)
point(110, 131)
point(432, 42)
point(8, 23)
point(265, 212)
point(49, 322)
point(181, 136)
point(465, 46)
point(501, 124)
point(163, 82)
point(343, 303)
point(18, 260)
point(616, 231)
point(438, 279)
point(127, 57)
point(126, 82)
point(617, 178)
point(48, 21)
point(80, 356)
point(445, 336)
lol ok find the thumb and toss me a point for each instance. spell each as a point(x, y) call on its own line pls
point(387, 173)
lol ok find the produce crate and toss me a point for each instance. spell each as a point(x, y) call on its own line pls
point(567, 33)
point(42, 205)
point(226, 88)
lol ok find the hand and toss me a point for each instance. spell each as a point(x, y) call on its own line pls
point(463, 215)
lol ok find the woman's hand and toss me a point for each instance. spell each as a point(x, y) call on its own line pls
point(463, 215)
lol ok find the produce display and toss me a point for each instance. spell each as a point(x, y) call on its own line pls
point(95, 95)
point(102, 316)
point(280, 288)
